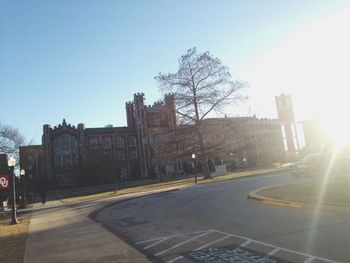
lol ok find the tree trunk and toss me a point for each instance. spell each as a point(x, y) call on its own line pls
point(203, 156)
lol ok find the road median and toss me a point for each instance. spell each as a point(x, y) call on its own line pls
point(255, 195)
point(326, 193)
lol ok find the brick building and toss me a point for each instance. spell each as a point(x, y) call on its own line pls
point(151, 144)
point(71, 155)
point(235, 141)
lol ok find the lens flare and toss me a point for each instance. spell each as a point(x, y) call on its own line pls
point(320, 184)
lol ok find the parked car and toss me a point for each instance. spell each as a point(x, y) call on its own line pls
point(312, 165)
point(320, 164)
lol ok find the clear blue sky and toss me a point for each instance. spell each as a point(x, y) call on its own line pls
point(81, 60)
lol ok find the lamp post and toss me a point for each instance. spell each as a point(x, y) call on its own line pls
point(115, 181)
point(23, 173)
point(195, 174)
point(11, 162)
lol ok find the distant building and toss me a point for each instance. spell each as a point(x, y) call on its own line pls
point(31, 160)
point(236, 141)
point(152, 144)
point(286, 117)
point(71, 155)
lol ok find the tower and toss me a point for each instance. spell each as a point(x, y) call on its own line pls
point(286, 117)
point(170, 106)
point(139, 114)
point(130, 113)
point(47, 155)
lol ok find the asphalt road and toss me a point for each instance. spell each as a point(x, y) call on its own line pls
point(217, 223)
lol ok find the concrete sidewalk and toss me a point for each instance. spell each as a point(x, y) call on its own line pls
point(63, 234)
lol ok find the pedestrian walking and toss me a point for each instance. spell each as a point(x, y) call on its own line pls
point(43, 195)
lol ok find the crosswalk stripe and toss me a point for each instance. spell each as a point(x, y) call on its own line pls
point(182, 243)
point(158, 242)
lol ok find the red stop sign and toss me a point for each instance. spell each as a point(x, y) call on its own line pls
point(4, 181)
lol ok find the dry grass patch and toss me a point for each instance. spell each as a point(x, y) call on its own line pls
point(13, 239)
point(335, 191)
point(131, 190)
point(163, 185)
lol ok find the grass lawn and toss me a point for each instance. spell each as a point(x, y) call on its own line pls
point(334, 192)
point(13, 239)
point(170, 184)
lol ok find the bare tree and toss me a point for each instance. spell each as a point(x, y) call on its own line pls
point(10, 140)
point(201, 85)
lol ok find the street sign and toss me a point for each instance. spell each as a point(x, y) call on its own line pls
point(4, 181)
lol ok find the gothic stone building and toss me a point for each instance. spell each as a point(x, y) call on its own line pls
point(152, 144)
point(74, 155)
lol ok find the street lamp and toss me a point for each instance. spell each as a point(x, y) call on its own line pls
point(115, 181)
point(195, 174)
point(23, 173)
point(11, 162)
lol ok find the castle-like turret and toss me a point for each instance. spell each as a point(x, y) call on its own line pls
point(170, 107)
point(130, 113)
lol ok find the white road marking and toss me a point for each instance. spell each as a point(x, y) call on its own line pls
point(170, 236)
point(309, 260)
point(211, 243)
point(174, 259)
point(199, 248)
point(149, 240)
point(246, 243)
point(281, 248)
point(182, 243)
point(227, 235)
point(272, 252)
point(158, 242)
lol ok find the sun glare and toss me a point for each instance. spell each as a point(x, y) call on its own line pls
point(336, 128)
point(330, 115)
point(312, 64)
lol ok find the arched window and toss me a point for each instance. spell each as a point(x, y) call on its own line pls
point(65, 151)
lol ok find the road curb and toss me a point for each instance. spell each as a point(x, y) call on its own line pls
point(293, 204)
point(92, 217)
point(271, 201)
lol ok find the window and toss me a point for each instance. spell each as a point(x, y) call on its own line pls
point(120, 142)
point(231, 135)
point(65, 151)
point(120, 156)
point(133, 154)
point(107, 143)
point(132, 141)
point(93, 143)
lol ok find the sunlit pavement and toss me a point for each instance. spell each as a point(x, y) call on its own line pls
point(217, 223)
point(66, 234)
